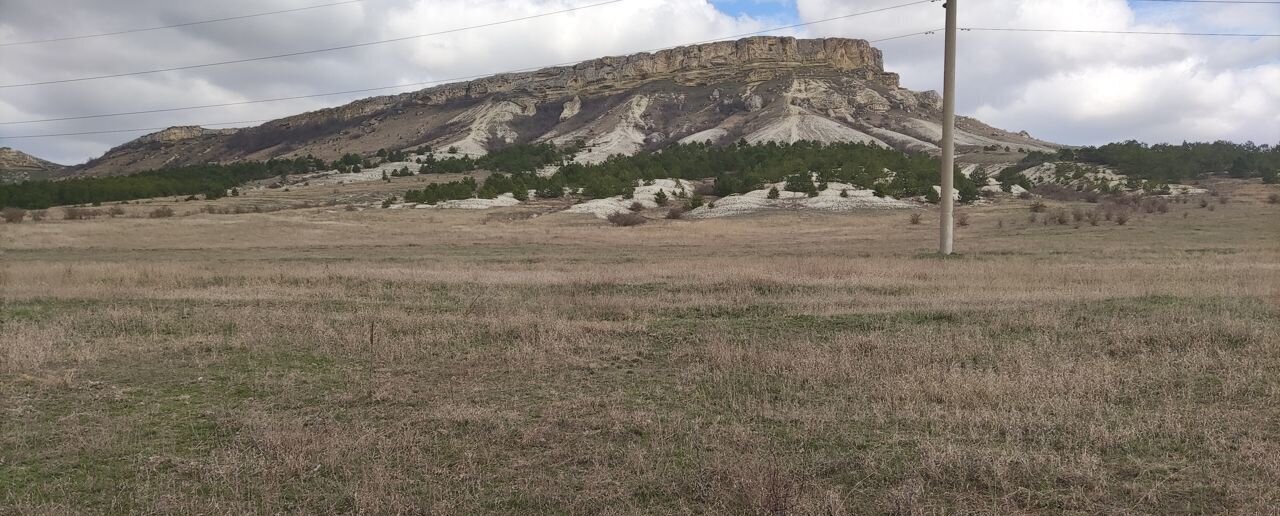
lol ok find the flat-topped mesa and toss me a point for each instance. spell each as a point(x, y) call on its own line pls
point(719, 58)
point(838, 53)
point(722, 58)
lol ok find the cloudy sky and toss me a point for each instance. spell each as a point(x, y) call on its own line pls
point(1068, 88)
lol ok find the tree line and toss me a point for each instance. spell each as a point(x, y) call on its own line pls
point(212, 181)
point(1169, 163)
point(738, 168)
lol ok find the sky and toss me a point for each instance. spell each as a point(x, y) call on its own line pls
point(1076, 89)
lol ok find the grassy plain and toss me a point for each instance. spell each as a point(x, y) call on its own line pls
point(429, 361)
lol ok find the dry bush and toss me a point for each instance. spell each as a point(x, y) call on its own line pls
point(636, 206)
point(962, 219)
point(115, 211)
point(1204, 203)
point(1211, 207)
point(1064, 193)
point(38, 215)
point(162, 212)
point(1077, 214)
point(676, 212)
point(1038, 207)
point(1092, 216)
point(1121, 218)
point(915, 219)
point(1061, 217)
point(1223, 199)
point(624, 219)
point(13, 215)
point(350, 207)
point(80, 214)
point(1273, 199)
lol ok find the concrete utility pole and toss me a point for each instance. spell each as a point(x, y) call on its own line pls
point(946, 227)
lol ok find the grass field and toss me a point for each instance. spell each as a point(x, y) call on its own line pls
point(430, 361)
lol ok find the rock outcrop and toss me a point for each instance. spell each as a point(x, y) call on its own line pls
point(767, 88)
point(16, 166)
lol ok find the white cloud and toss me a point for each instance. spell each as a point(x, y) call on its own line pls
point(1089, 89)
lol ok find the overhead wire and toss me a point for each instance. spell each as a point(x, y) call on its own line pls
point(177, 25)
point(468, 77)
point(454, 79)
point(312, 51)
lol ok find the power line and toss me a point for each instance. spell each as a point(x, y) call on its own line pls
point(1137, 32)
point(932, 31)
point(314, 51)
point(137, 130)
point(463, 78)
point(1264, 2)
point(176, 25)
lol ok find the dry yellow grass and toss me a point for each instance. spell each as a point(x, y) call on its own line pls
point(394, 361)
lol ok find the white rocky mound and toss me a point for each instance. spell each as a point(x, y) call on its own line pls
point(643, 194)
point(827, 200)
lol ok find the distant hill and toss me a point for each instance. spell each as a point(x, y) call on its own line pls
point(17, 166)
point(755, 89)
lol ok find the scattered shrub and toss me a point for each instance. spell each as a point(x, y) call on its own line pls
point(1273, 199)
point(962, 219)
point(1061, 217)
point(623, 218)
point(1210, 207)
point(636, 206)
point(660, 198)
point(1038, 207)
point(1122, 218)
point(38, 215)
point(1204, 202)
point(1093, 217)
point(115, 211)
point(915, 219)
point(1223, 199)
point(13, 215)
point(350, 207)
point(1025, 195)
point(844, 192)
point(162, 212)
point(773, 193)
point(675, 213)
point(1077, 214)
point(80, 214)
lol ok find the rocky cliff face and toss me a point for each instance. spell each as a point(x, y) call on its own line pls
point(758, 89)
point(18, 166)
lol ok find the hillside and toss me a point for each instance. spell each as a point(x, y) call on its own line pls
point(18, 166)
point(754, 89)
